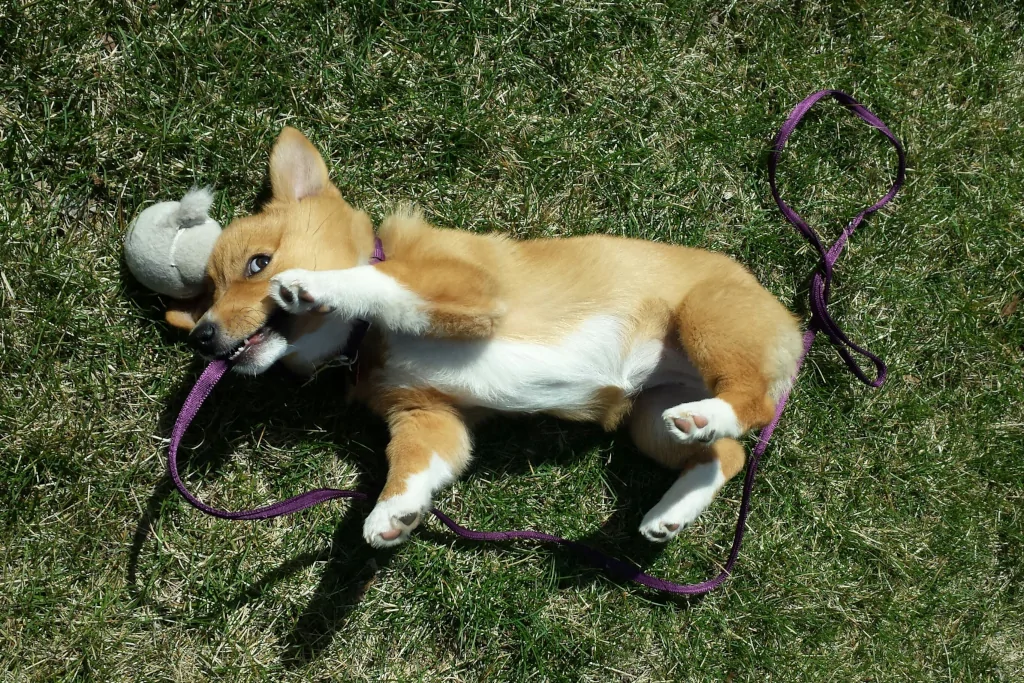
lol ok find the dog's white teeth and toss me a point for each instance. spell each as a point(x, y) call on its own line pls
point(244, 345)
point(256, 337)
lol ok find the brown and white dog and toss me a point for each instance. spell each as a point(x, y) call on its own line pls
point(681, 343)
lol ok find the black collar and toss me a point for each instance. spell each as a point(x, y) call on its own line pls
point(350, 352)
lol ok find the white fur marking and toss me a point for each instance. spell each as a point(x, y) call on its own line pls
point(527, 376)
point(360, 292)
point(722, 421)
point(417, 499)
point(311, 349)
point(683, 503)
point(259, 359)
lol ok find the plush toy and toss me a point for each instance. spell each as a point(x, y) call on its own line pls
point(168, 245)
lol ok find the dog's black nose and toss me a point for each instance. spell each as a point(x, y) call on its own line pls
point(204, 336)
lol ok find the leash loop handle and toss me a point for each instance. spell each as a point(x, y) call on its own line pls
point(820, 320)
point(821, 284)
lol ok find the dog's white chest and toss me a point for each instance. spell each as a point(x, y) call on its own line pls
point(528, 376)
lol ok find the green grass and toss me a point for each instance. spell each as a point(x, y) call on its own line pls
point(886, 540)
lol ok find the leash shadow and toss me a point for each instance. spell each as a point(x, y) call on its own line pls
point(633, 481)
point(289, 407)
point(206, 458)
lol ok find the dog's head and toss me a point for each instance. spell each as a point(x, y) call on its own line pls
point(306, 225)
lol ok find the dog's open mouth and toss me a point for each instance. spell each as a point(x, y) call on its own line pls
point(247, 344)
point(272, 328)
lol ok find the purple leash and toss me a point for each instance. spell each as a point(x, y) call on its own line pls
point(820, 320)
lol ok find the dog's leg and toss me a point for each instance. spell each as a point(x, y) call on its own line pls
point(441, 298)
point(745, 345)
point(705, 467)
point(429, 448)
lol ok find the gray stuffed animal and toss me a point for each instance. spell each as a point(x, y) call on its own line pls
point(167, 245)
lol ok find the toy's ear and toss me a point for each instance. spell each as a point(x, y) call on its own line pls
point(185, 313)
point(296, 168)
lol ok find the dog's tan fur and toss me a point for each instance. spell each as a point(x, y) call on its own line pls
point(486, 287)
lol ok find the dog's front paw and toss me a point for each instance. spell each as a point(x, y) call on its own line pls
point(391, 521)
point(296, 292)
point(702, 421)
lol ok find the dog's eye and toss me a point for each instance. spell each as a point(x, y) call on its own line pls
point(256, 264)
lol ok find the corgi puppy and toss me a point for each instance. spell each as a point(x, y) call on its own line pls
point(682, 345)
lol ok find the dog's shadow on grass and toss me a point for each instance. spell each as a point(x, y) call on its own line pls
point(633, 481)
point(289, 407)
point(352, 565)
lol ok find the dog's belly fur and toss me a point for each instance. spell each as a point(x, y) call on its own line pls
point(581, 375)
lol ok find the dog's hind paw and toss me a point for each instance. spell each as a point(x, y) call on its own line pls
point(702, 421)
point(689, 496)
point(660, 531)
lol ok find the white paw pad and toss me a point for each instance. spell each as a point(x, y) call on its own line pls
point(702, 421)
point(294, 291)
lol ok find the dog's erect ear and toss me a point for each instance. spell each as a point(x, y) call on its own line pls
point(185, 313)
point(296, 168)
